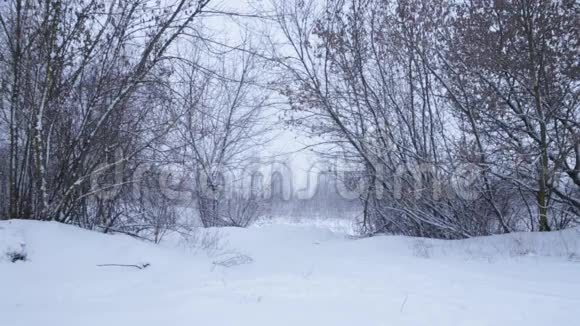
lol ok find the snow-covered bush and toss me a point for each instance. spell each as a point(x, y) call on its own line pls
point(209, 241)
point(17, 254)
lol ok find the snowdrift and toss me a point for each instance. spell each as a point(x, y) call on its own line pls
point(285, 275)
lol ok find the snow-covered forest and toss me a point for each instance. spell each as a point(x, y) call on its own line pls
point(449, 130)
point(447, 119)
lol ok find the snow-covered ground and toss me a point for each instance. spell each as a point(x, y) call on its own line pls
point(286, 275)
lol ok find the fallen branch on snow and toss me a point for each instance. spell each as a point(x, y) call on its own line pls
point(140, 266)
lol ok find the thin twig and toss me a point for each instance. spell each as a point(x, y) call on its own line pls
point(141, 266)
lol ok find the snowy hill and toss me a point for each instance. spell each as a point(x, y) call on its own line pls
point(286, 275)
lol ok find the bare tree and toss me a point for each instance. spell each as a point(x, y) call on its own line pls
point(379, 81)
point(510, 70)
point(222, 122)
point(72, 74)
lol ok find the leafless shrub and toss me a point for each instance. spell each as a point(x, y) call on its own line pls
point(16, 255)
point(241, 211)
point(212, 242)
point(422, 249)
